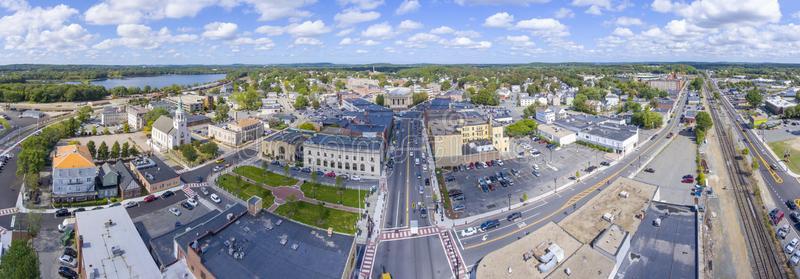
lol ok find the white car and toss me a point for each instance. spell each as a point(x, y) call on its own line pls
point(468, 232)
point(68, 260)
point(500, 162)
point(129, 204)
point(355, 178)
point(535, 166)
point(175, 211)
point(215, 198)
point(192, 201)
point(204, 190)
point(425, 167)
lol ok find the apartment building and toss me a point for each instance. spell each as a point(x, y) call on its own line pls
point(74, 174)
point(456, 136)
point(237, 132)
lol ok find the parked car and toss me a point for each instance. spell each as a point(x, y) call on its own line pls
point(791, 205)
point(67, 272)
point(78, 210)
point(215, 198)
point(204, 190)
point(115, 204)
point(649, 170)
point(175, 211)
point(63, 212)
point(514, 216)
point(794, 216)
point(187, 205)
point(688, 180)
point(536, 173)
point(490, 224)
point(355, 178)
point(458, 207)
point(167, 194)
point(67, 260)
point(70, 252)
point(423, 212)
point(605, 164)
point(149, 198)
point(129, 204)
point(469, 232)
point(192, 201)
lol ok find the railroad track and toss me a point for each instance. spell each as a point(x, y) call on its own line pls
point(766, 261)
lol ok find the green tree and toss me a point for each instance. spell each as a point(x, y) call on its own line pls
point(209, 148)
point(125, 152)
point(703, 121)
point(301, 102)
point(286, 170)
point(92, 148)
point(102, 151)
point(188, 152)
point(745, 151)
point(307, 126)
point(84, 113)
point(115, 150)
point(20, 261)
point(133, 151)
point(106, 131)
point(380, 100)
point(417, 98)
point(697, 84)
point(524, 127)
point(755, 165)
point(221, 112)
point(94, 130)
point(446, 85)
point(315, 103)
point(247, 100)
point(126, 128)
point(647, 119)
point(754, 98)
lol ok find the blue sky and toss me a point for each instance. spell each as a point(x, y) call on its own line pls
point(401, 31)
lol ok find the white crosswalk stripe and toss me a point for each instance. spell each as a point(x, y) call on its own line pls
point(406, 233)
point(369, 259)
point(453, 254)
point(8, 211)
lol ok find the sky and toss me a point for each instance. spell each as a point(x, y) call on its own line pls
point(136, 32)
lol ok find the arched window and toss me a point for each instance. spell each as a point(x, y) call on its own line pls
point(347, 166)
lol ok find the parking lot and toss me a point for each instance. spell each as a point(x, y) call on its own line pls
point(669, 167)
point(555, 166)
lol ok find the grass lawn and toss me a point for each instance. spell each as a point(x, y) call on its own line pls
point(319, 216)
point(779, 147)
point(264, 176)
point(330, 194)
point(245, 190)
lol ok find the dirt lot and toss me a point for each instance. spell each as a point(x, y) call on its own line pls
point(138, 138)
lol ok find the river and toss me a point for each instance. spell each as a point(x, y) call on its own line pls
point(159, 81)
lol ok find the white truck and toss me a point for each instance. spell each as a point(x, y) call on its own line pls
point(414, 227)
point(67, 223)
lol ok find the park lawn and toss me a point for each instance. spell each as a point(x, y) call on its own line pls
point(319, 216)
point(264, 176)
point(244, 190)
point(330, 194)
point(779, 147)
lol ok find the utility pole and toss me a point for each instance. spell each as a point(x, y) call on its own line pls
point(555, 186)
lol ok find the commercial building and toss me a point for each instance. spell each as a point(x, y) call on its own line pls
point(286, 146)
point(136, 117)
point(556, 134)
point(456, 135)
point(545, 115)
point(359, 156)
point(112, 116)
point(153, 174)
point(189, 102)
point(237, 132)
point(526, 101)
point(74, 174)
point(777, 105)
point(666, 84)
point(619, 138)
point(109, 246)
point(399, 98)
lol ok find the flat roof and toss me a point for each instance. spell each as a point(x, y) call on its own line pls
point(156, 172)
point(112, 247)
point(163, 246)
point(669, 250)
point(587, 222)
point(359, 143)
point(610, 240)
point(612, 131)
point(553, 130)
point(586, 263)
point(497, 263)
point(316, 254)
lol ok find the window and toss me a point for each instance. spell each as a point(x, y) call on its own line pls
point(347, 166)
point(372, 168)
point(362, 158)
point(362, 167)
point(317, 161)
point(339, 165)
point(325, 163)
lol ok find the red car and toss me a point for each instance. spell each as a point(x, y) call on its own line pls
point(149, 198)
point(330, 174)
point(489, 163)
point(688, 180)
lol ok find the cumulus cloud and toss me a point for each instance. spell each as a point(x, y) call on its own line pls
point(466, 43)
point(564, 13)
point(41, 28)
point(628, 21)
point(595, 7)
point(622, 32)
point(500, 2)
point(220, 30)
point(136, 11)
point(307, 29)
point(307, 41)
point(270, 30)
point(258, 44)
point(380, 30)
point(139, 36)
point(407, 6)
point(354, 16)
point(714, 13)
point(499, 20)
point(545, 27)
point(362, 4)
point(409, 25)
point(443, 30)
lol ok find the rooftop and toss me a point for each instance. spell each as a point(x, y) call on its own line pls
point(112, 247)
point(447, 122)
point(554, 130)
point(153, 169)
point(612, 131)
point(288, 136)
point(72, 156)
point(359, 143)
point(586, 263)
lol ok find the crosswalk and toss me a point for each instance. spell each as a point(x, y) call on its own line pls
point(406, 233)
point(8, 211)
point(369, 259)
point(188, 190)
point(453, 255)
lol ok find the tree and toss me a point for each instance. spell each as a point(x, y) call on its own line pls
point(20, 261)
point(209, 148)
point(102, 151)
point(221, 112)
point(580, 103)
point(92, 148)
point(106, 131)
point(703, 121)
point(524, 127)
point(188, 152)
point(126, 128)
point(524, 197)
point(301, 102)
point(84, 113)
point(697, 84)
point(286, 170)
point(151, 116)
point(125, 150)
point(115, 150)
point(754, 98)
point(94, 130)
point(307, 126)
point(745, 151)
point(315, 103)
point(446, 85)
point(417, 98)
point(647, 119)
point(133, 151)
point(699, 135)
point(380, 100)
point(755, 165)
point(247, 100)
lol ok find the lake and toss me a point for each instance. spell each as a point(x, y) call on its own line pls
point(159, 81)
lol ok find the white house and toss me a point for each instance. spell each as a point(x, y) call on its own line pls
point(168, 133)
point(545, 115)
point(526, 101)
point(619, 138)
point(612, 100)
point(74, 174)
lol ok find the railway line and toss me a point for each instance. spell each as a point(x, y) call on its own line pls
point(766, 260)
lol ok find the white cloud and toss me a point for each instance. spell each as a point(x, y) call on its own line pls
point(270, 30)
point(466, 43)
point(520, 41)
point(596, 7)
point(564, 13)
point(499, 20)
point(369, 43)
point(345, 32)
point(467, 33)
point(354, 16)
point(622, 32)
point(139, 36)
point(361, 51)
point(220, 30)
point(443, 30)
point(278, 9)
point(714, 13)
point(307, 29)
point(423, 37)
point(346, 41)
point(259, 44)
point(546, 27)
point(407, 6)
point(628, 21)
point(362, 4)
point(796, 15)
point(500, 2)
point(307, 41)
point(40, 28)
point(380, 30)
point(409, 25)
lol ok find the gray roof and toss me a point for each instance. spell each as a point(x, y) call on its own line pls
point(288, 136)
point(360, 143)
point(316, 256)
point(163, 246)
point(668, 251)
point(163, 124)
point(611, 131)
point(126, 181)
point(109, 177)
point(157, 172)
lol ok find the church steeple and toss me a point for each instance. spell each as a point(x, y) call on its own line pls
point(179, 124)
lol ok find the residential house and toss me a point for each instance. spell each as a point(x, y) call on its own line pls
point(74, 174)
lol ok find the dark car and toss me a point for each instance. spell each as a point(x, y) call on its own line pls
point(70, 252)
point(167, 194)
point(605, 164)
point(454, 192)
point(491, 224)
point(794, 216)
point(514, 216)
point(78, 210)
point(198, 179)
point(423, 212)
point(791, 205)
point(187, 205)
point(650, 170)
point(63, 212)
point(67, 272)
point(115, 204)
point(97, 208)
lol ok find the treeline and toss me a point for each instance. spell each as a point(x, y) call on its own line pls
point(48, 93)
point(35, 149)
point(28, 72)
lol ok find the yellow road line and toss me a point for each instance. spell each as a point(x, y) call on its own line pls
point(772, 172)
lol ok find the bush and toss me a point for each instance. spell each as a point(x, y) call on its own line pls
point(595, 146)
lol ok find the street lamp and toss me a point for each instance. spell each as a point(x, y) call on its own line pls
point(509, 202)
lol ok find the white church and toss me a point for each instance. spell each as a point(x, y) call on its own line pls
point(168, 133)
